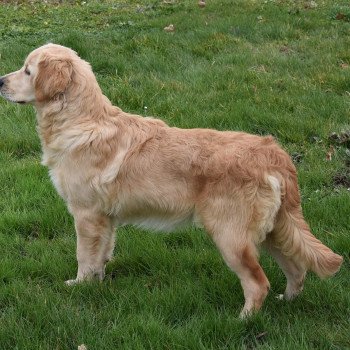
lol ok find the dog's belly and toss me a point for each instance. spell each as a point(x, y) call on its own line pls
point(158, 222)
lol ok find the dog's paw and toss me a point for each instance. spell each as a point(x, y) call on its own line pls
point(280, 297)
point(245, 314)
point(71, 282)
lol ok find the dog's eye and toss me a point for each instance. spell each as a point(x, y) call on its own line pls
point(27, 71)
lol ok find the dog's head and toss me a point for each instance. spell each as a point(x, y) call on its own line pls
point(46, 75)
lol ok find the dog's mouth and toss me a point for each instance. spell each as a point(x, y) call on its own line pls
point(9, 98)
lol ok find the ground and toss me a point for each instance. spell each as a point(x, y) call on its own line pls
point(265, 67)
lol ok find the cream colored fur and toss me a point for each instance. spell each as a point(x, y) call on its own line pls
point(114, 168)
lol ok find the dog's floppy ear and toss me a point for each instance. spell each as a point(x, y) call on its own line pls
point(54, 75)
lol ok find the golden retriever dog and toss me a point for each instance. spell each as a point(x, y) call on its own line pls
point(114, 168)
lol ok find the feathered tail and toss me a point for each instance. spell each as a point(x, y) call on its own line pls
point(291, 234)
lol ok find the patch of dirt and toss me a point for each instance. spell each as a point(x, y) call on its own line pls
point(342, 138)
point(342, 178)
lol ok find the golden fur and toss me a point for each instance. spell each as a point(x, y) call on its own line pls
point(115, 168)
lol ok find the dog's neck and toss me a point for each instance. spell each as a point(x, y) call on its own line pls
point(64, 124)
point(73, 107)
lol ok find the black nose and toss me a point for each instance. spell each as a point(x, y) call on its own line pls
point(1, 82)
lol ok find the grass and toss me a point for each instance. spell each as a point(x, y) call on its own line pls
point(272, 67)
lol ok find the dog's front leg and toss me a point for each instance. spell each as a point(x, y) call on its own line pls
point(95, 242)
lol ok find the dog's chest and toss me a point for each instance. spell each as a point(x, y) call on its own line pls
point(72, 184)
point(59, 183)
point(66, 185)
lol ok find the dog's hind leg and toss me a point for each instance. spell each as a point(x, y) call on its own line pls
point(294, 271)
point(238, 224)
point(243, 261)
point(234, 239)
point(95, 242)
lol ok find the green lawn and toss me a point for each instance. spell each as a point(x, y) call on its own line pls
point(266, 67)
